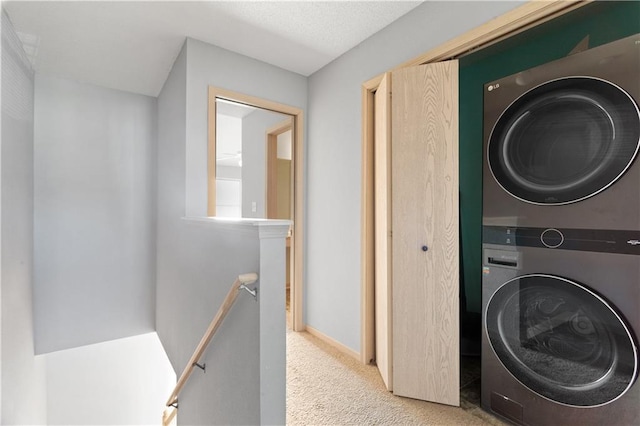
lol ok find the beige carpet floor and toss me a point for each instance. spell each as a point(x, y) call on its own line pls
point(327, 387)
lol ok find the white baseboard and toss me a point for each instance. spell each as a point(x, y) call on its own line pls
point(332, 342)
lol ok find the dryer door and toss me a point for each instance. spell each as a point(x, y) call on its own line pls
point(561, 340)
point(564, 141)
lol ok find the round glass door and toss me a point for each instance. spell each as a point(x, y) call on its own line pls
point(561, 340)
point(564, 141)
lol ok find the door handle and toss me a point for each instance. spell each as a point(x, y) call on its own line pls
point(425, 248)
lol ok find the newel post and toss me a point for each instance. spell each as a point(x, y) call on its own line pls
point(273, 354)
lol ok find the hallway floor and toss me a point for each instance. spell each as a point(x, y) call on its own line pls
point(327, 387)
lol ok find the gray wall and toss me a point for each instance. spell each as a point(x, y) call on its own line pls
point(244, 382)
point(208, 65)
point(23, 387)
point(196, 265)
point(333, 283)
point(170, 199)
point(195, 268)
point(212, 65)
point(94, 214)
point(254, 144)
point(203, 264)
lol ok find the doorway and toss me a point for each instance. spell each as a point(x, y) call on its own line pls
point(251, 186)
point(511, 23)
point(279, 188)
point(416, 232)
point(507, 25)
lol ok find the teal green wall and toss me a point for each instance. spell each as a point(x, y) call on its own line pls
point(602, 21)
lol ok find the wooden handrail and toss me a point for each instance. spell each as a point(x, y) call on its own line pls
point(242, 280)
point(168, 415)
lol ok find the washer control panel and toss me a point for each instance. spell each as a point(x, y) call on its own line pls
point(552, 238)
point(596, 240)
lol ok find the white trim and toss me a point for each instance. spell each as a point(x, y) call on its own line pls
point(333, 343)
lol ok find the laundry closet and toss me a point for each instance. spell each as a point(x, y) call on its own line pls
point(593, 25)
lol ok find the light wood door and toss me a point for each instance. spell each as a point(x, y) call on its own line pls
point(279, 188)
point(424, 220)
point(382, 164)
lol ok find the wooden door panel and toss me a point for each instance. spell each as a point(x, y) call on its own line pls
point(283, 196)
point(424, 199)
point(382, 162)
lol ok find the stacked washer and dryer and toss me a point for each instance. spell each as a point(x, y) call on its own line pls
point(561, 240)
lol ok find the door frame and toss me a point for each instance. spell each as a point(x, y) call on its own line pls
point(297, 137)
point(522, 18)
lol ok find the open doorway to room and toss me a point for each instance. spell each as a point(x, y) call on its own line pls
point(279, 191)
point(255, 171)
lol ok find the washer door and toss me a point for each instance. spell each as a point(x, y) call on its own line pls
point(561, 340)
point(564, 140)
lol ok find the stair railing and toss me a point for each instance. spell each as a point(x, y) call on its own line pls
point(240, 283)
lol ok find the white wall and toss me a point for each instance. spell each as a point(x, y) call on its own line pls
point(23, 390)
point(94, 213)
point(254, 148)
point(228, 173)
point(120, 382)
point(285, 146)
point(333, 283)
point(228, 136)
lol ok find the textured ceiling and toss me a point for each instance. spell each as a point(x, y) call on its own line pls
point(132, 45)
